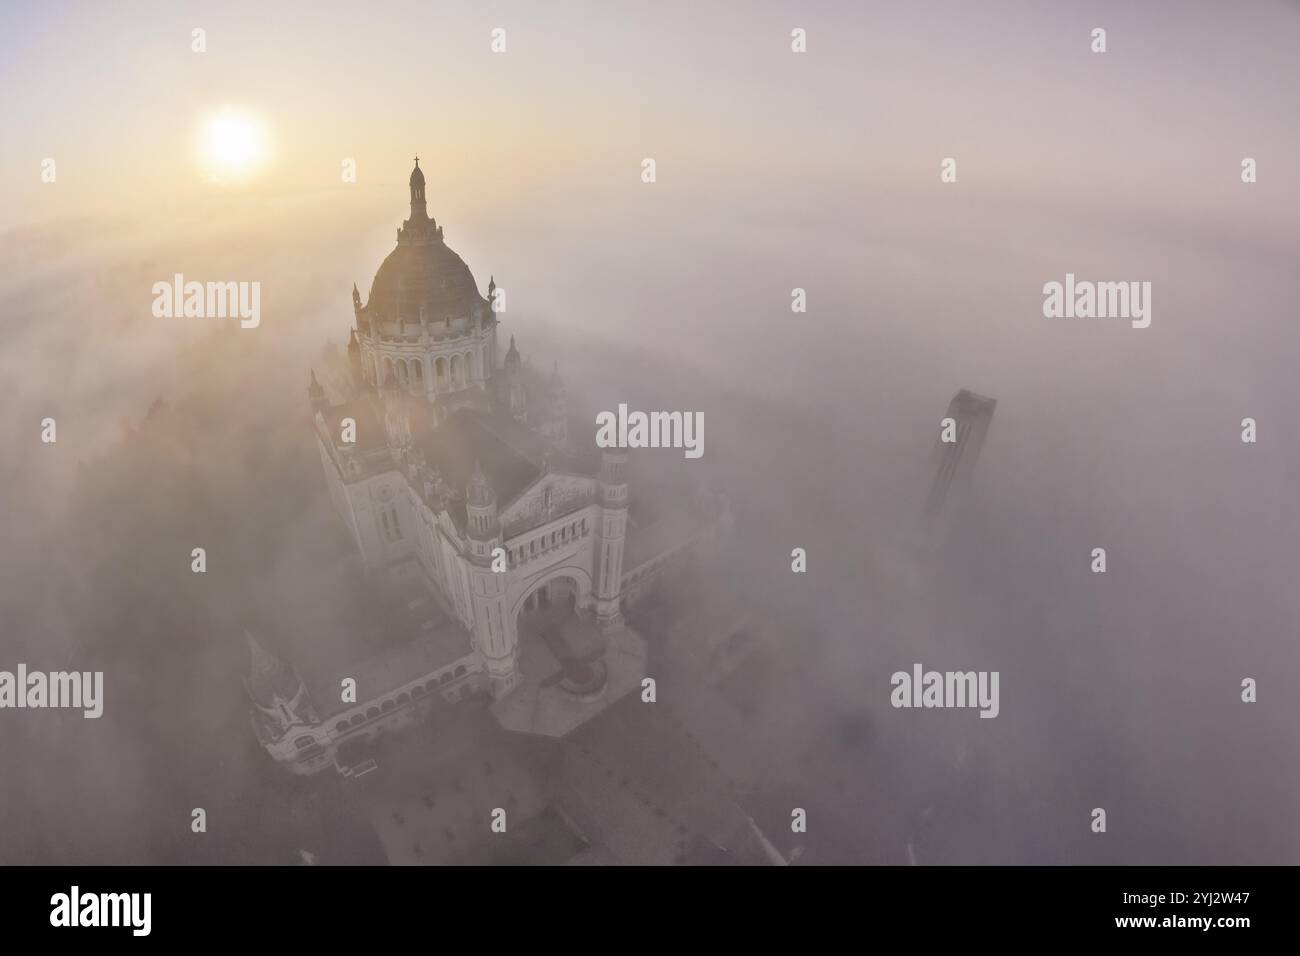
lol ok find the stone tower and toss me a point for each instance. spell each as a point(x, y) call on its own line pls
point(611, 532)
point(493, 633)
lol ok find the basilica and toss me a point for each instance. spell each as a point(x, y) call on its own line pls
point(507, 541)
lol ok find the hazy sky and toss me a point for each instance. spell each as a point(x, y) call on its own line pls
point(113, 92)
point(775, 171)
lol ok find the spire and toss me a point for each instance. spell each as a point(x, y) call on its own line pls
point(315, 392)
point(512, 356)
point(479, 492)
point(269, 677)
point(263, 661)
point(356, 298)
point(555, 426)
point(419, 212)
point(354, 360)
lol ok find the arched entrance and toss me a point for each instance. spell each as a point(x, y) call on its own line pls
point(560, 593)
point(567, 589)
point(559, 643)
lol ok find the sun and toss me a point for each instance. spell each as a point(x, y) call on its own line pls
point(233, 145)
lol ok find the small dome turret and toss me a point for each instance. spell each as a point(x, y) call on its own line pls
point(479, 493)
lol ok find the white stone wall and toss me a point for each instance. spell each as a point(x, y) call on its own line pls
point(417, 359)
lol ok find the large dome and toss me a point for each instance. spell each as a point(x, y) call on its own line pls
point(422, 277)
point(428, 275)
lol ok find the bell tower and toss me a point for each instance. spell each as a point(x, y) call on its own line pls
point(556, 425)
point(611, 534)
point(493, 636)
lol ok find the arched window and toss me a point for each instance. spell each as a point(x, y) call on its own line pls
point(403, 698)
point(372, 713)
point(469, 366)
point(460, 671)
point(402, 373)
point(305, 741)
point(457, 371)
point(418, 691)
point(440, 372)
point(388, 369)
point(341, 726)
point(445, 678)
point(417, 370)
point(387, 706)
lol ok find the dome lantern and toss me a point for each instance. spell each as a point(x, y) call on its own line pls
point(419, 212)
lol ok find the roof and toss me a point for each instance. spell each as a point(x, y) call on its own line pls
point(428, 275)
point(970, 405)
point(382, 632)
point(664, 535)
point(468, 437)
point(402, 663)
point(371, 435)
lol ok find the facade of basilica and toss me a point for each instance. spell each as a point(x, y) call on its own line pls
point(458, 474)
